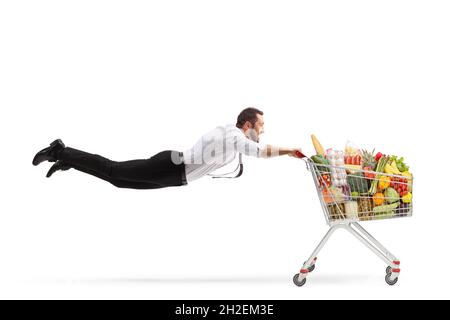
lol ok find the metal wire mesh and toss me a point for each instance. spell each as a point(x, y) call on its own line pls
point(351, 194)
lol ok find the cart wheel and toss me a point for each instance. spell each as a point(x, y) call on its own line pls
point(388, 270)
point(297, 282)
point(311, 269)
point(389, 281)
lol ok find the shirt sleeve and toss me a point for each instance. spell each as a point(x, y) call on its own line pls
point(247, 146)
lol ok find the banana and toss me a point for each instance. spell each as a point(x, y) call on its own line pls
point(394, 167)
point(388, 169)
point(406, 174)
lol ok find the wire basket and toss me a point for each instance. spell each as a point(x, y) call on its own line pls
point(351, 194)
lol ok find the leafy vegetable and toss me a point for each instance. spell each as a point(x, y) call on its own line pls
point(391, 195)
point(380, 168)
point(321, 163)
point(401, 165)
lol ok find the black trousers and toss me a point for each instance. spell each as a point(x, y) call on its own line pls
point(165, 169)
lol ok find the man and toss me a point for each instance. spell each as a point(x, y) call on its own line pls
point(171, 168)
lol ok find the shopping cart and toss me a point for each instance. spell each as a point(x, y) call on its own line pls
point(355, 201)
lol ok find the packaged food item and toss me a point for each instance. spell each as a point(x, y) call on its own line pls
point(351, 209)
point(352, 155)
point(327, 196)
point(351, 149)
point(403, 209)
point(336, 160)
point(333, 195)
point(336, 211)
point(365, 207)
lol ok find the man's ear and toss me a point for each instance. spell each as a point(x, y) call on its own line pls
point(247, 125)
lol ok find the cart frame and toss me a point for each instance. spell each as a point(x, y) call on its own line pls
point(352, 226)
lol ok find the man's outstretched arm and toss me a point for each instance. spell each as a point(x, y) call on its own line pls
point(273, 151)
point(261, 150)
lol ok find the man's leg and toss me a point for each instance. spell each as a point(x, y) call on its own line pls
point(158, 170)
point(120, 183)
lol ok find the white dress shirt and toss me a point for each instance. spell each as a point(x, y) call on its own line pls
point(216, 149)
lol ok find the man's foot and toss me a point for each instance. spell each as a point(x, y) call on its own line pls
point(59, 165)
point(49, 153)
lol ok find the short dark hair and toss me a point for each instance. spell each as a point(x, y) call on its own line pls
point(248, 114)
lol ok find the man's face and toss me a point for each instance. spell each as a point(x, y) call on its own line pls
point(253, 133)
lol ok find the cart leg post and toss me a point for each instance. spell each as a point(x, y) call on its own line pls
point(393, 273)
point(374, 249)
point(322, 243)
point(300, 278)
point(394, 261)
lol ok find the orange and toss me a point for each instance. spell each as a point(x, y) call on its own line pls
point(378, 199)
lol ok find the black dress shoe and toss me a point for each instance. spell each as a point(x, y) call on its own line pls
point(59, 165)
point(49, 153)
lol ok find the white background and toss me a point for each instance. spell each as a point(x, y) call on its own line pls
point(127, 79)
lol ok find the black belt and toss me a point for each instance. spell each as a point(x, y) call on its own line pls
point(183, 169)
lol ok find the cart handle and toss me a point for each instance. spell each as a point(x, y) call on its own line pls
point(305, 158)
point(299, 154)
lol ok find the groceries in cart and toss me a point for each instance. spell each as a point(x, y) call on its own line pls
point(358, 184)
